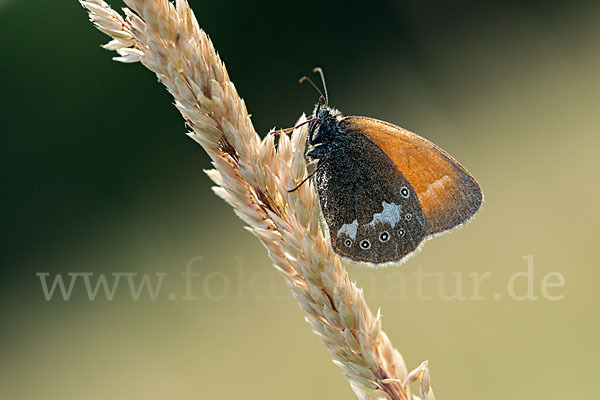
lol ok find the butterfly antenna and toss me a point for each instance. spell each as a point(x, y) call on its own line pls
point(320, 71)
point(307, 79)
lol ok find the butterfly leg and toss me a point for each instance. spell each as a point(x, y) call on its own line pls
point(321, 151)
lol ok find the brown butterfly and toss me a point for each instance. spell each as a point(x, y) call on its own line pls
point(383, 190)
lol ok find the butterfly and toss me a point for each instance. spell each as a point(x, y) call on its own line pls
point(383, 190)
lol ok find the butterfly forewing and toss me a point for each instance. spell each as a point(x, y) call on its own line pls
point(447, 193)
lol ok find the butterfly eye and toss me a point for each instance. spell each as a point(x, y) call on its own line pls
point(384, 237)
point(348, 242)
point(404, 192)
point(401, 232)
point(365, 244)
point(408, 217)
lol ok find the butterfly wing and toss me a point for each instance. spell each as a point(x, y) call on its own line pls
point(447, 193)
point(371, 210)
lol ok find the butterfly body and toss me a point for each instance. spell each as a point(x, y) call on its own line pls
point(384, 190)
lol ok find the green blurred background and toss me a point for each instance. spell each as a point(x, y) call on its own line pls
point(98, 176)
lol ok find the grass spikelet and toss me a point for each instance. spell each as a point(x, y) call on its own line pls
point(252, 175)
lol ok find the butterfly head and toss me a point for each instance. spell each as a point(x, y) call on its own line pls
point(324, 127)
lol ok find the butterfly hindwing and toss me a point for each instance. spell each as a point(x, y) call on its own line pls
point(371, 209)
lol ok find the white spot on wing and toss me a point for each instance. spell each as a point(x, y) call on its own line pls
point(391, 214)
point(437, 185)
point(349, 229)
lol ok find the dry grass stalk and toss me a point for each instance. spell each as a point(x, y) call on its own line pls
point(252, 176)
